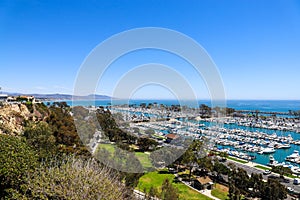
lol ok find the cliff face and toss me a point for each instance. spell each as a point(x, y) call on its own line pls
point(14, 116)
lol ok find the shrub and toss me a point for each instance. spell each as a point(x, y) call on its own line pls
point(17, 159)
point(76, 179)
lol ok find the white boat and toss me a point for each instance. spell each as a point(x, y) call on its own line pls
point(267, 151)
point(285, 146)
point(293, 156)
point(272, 162)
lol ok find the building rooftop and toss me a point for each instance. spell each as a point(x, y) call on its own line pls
point(204, 180)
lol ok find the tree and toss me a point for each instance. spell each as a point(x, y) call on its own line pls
point(62, 125)
point(297, 114)
point(145, 143)
point(234, 192)
point(191, 155)
point(149, 132)
point(273, 190)
point(17, 159)
point(256, 182)
point(229, 111)
point(205, 111)
point(223, 155)
point(40, 137)
point(281, 170)
point(242, 180)
point(153, 192)
point(220, 168)
point(168, 191)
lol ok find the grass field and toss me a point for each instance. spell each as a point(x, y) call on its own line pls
point(109, 147)
point(186, 193)
point(262, 167)
point(269, 168)
point(143, 157)
point(155, 179)
point(237, 160)
point(220, 191)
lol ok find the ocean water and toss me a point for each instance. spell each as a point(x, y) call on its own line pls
point(262, 105)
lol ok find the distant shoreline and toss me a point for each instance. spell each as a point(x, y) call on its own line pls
point(275, 106)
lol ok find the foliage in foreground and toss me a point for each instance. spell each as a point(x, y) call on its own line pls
point(16, 160)
point(74, 179)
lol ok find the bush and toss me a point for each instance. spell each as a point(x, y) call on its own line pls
point(40, 137)
point(75, 178)
point(17, 159)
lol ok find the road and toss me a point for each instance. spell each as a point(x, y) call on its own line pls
point(251, 170)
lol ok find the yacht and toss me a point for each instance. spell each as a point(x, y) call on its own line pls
point(267, 150)
point(285, 146)
point(272, 162)
point(293, 156)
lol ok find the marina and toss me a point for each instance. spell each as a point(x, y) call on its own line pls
point(261, 140)
point(253, 137)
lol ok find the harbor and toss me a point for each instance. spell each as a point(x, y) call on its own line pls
point(263, 140)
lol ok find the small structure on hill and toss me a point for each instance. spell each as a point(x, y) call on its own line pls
point(3, 97)
point(170, 137)
point(201, 183)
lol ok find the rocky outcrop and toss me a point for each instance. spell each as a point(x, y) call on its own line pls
point(14, 116)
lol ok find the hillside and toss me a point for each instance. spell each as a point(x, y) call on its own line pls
point(14, 116)
point(58, 96)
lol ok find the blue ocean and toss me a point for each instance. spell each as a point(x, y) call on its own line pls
point(262, 105)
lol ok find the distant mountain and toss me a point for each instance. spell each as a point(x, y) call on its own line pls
point(62, 96)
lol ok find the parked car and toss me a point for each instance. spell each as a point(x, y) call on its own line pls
point(284, 180)
point(267, 172)
point(290, 190)
point(296, 181)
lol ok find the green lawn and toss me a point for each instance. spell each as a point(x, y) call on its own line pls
point(155, 179)
point(262, 167)
point(109, 147)
point(237, 160)
point(143, 157)
point(186, 193)
point(220, 191)
point(268, 168)
point(291, 176)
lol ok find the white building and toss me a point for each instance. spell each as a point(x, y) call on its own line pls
point(3, 97)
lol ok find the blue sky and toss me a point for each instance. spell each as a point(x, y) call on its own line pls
point(255, 44)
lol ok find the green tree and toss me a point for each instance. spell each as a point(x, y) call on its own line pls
point(220, 168)
point(281, 170)
point(256, 182)
point(145, 143)
point(191, 155)
point(149, 131)
point(205, 111)
point(168, 191)
point(273, 190)
point(152, 192)
point(223, 155)
point(40, 137)
point(62, 125)
point(234, 192)
point(17, 160)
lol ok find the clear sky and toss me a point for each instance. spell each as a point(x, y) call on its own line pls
point(255, 44)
